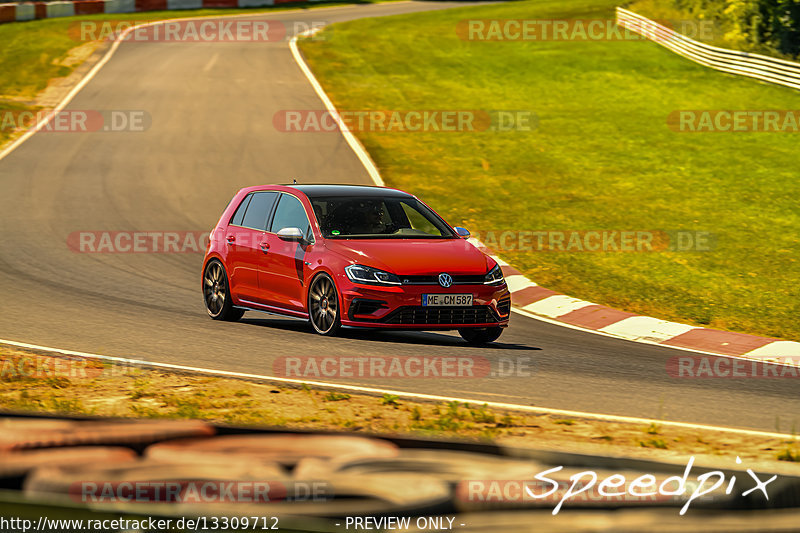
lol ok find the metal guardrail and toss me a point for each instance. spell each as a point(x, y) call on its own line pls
point(764, 68)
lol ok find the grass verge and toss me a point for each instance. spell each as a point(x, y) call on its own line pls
point(35, 382)
point(601, 158)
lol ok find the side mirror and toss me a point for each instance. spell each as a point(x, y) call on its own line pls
point(291, 234)
point(462, 232)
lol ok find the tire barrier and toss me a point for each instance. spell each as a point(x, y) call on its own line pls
point(283, 449)
point(19, 463)
point(23, 434)
point(15, 466)
point(185, 469)
point(449, 466)
point(339, 496)
point(57, 479)
point(159, 487)
point(189, 488)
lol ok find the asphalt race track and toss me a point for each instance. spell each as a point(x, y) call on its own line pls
point(211, 106)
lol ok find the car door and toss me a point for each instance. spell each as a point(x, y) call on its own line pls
point(282, 275)
point(244, 238)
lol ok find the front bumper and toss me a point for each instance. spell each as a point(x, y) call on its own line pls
point(400, 307)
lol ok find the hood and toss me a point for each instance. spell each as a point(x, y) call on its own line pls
point(412, 257)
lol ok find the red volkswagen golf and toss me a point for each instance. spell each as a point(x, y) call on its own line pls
point(344, 255)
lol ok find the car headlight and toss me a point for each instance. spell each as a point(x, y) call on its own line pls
point(494, 277)
point(369, 275)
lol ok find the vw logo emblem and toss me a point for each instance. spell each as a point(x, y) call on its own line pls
point(445, 279)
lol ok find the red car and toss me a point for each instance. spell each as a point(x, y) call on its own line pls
point(344, 255)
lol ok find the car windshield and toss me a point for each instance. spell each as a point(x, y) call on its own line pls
point(373, 217)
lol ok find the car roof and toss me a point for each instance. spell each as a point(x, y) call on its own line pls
point(330, 190)
point(348, 190)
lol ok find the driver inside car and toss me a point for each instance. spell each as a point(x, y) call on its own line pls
point(370, 216)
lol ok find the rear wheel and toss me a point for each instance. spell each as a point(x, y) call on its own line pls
point(323, 306)
point(216, 293)
point(480, 335)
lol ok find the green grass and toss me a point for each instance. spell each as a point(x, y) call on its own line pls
point(790, 453)
point(653, 429)
point(334, 396)
point(390, 399)
point(602, 157)
point(654, 443)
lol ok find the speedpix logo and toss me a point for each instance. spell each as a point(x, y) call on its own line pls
point(587, 487)
point(405, 121)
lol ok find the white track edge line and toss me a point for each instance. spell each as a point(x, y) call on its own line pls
point(404, 394)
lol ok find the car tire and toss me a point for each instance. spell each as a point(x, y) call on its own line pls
point(480, 335)
point(324, 311)
point(217, 294)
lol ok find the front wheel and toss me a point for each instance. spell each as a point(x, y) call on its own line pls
point(217, 295)
point(480, 335)
point(323, 306)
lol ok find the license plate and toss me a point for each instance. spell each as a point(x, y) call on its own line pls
point(438, 300)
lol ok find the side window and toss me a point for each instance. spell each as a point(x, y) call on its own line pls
point(290, 214)
point(258, 210)
point(238, 216)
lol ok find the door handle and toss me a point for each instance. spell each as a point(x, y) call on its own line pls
point(264, 247)
point(231, 239)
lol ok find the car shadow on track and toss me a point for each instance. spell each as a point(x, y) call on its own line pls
point(370, 335)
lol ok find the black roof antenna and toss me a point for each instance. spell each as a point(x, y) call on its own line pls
point(294, 181)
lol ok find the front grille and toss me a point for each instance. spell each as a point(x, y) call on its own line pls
point(466, 279)
point(418, 315)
